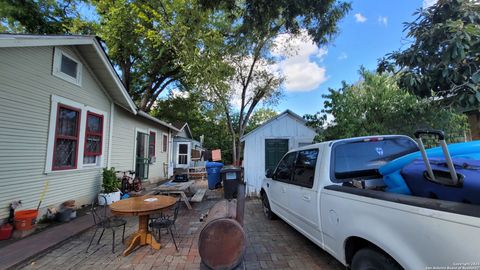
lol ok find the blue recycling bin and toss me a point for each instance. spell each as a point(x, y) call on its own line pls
point(213, 174)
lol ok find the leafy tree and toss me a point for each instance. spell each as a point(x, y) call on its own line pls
point(161, 45)
point(444, 57)
point(201, 116)
point(377, 105)
point(254, 80)
point(259, 117)
point(43, 17)
point(319, 18)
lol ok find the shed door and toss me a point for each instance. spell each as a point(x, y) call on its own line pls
point(274, 151)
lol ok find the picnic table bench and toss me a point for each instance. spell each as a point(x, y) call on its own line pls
point(176, 188)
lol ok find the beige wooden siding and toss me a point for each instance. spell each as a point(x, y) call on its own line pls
point(123, 142)
point(26, 87)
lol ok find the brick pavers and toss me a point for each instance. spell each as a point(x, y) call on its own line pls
point(271, 245)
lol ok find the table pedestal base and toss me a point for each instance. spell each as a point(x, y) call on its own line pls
point(141, 237)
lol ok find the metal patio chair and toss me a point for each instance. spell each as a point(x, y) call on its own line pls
point(102, 221)
point(166, 222)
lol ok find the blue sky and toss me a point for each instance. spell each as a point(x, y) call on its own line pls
point(370, 30)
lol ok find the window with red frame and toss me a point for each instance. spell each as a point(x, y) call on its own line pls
point(66, 138)
point(93, 137)
point(152, 140)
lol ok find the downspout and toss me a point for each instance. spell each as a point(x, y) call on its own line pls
point(110, 135)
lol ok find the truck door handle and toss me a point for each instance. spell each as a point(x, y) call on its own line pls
point(306, 198)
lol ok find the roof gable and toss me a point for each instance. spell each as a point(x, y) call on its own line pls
point(287, 113)
point(90, 50)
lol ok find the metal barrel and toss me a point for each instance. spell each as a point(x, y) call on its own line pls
point(222, 241)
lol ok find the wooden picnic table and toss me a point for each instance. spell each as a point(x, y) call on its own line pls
point(176, 188)
point(142, 207)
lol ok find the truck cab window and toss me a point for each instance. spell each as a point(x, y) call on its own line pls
point(285, 168)
point(305, 168)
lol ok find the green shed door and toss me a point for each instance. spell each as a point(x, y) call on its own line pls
point(274, 151)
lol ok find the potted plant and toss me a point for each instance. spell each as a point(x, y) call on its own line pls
point(110, 185)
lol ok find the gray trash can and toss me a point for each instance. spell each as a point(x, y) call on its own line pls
point(231, 177)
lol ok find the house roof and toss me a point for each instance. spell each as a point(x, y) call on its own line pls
point(95, 56)
point(92, 52)
point(181, 126)
point(283, 114)
point(148, 116)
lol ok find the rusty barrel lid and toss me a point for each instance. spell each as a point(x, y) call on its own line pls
point(222, 243)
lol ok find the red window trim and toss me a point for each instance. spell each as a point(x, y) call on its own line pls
point(154, 144)
point(87, 133)
point(165, 143)
point(57, 136)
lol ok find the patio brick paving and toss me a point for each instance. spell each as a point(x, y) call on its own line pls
point(271, 245)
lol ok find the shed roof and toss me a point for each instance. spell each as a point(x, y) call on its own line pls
point(286, 112)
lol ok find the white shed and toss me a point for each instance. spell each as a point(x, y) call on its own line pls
point(266, 145)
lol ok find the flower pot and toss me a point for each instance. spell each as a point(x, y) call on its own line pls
point(110, 198)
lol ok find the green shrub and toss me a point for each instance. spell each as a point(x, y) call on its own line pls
point(110, 181)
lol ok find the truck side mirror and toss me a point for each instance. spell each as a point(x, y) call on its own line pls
point(269, 173)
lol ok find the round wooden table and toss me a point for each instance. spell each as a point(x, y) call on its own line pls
point(142, 207)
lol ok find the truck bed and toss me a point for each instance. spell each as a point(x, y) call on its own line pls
point(434, 204)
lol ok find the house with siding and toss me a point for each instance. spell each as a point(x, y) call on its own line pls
point(65, 115)
point(264, 146)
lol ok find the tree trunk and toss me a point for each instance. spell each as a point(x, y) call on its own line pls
point(234, 149)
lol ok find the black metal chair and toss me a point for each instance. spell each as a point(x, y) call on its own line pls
point(102, 221)
point(166, 222)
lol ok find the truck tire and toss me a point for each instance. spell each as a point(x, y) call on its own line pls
point(371, 259)
point(267, 211)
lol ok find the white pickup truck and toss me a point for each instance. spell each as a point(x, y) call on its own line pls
point(332, 193)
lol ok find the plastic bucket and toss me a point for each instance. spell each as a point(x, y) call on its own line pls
point(25, 219)
point(6, 231)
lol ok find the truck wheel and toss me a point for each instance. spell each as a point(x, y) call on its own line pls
point(266, 207)
point(370, 259)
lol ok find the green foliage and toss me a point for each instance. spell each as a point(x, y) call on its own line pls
point(162, 44)
point(110, 181)
point(444, 57)
point(377, 105)
point(202, 117)
point(259, 117)
point(319, 18)
point(43, 17)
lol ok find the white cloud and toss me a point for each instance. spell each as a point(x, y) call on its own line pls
point(360, 18)
point(428, 3)
point(300, 62)
point(342, 56)
point(383, 20)
point(176, 93)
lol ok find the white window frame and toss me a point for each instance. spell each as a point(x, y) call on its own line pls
point(156, 143)
point(137, 130)
point(177, 158)
point(57, 62)
point(55, 100)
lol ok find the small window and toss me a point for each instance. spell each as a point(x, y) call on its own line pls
point(67, 67)
point(305, 168)
point(93, 138)
point(165, 143)
point(152, 140)
point(66, 138)
point(285, 168)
